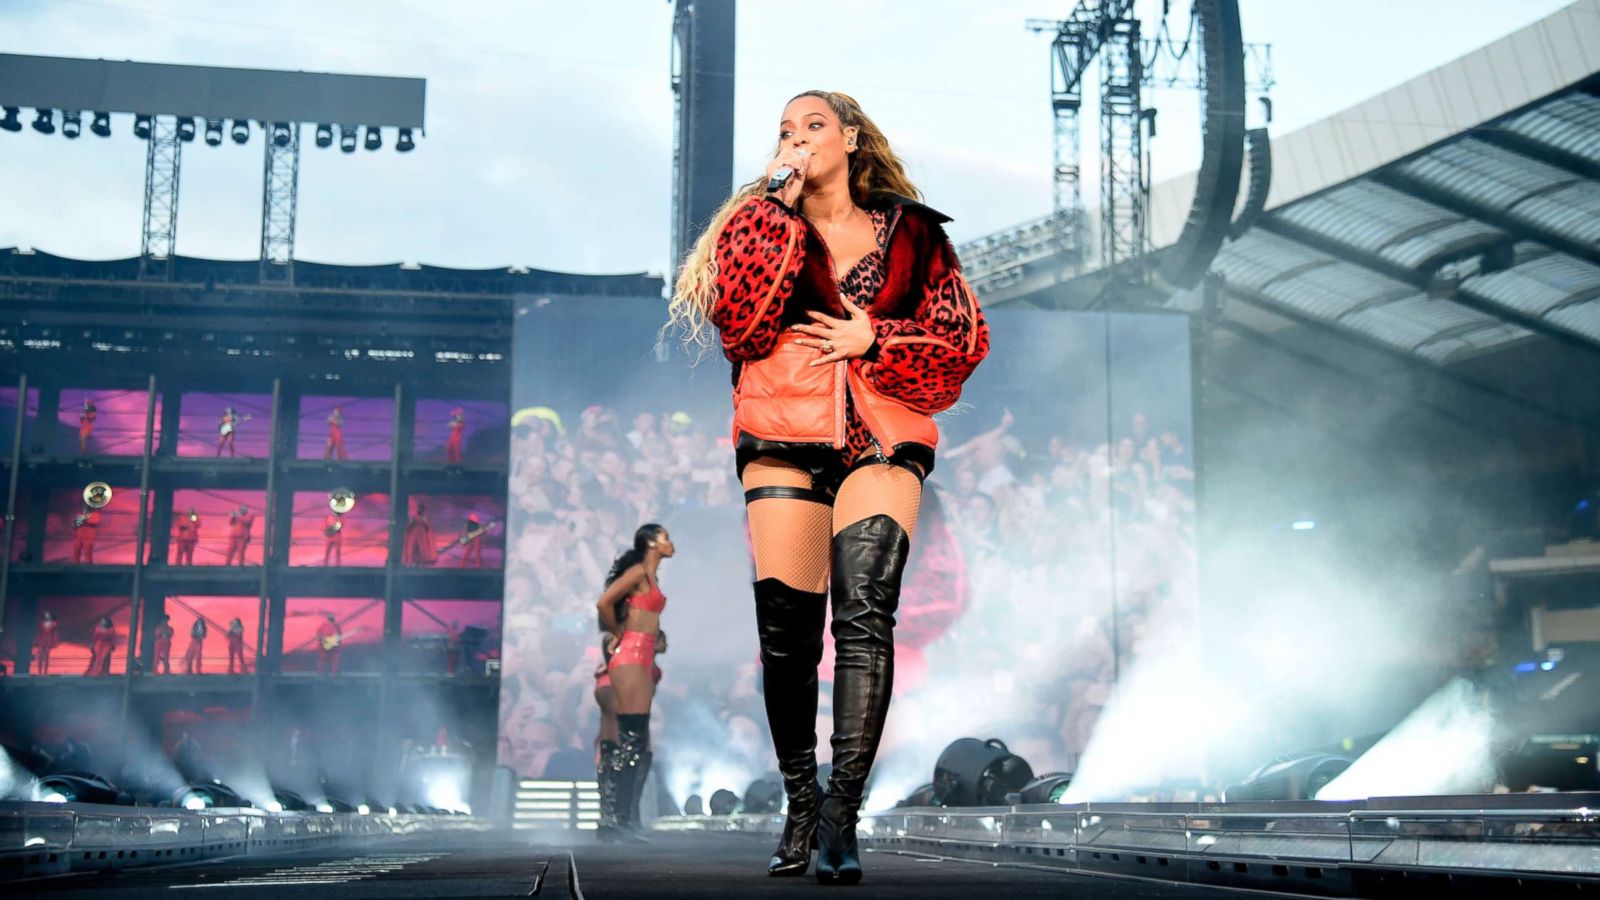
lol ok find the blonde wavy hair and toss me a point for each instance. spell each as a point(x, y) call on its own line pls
point(874, 170)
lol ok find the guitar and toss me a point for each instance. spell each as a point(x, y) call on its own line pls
point(466, 538)
point(226, 427)
point(335, 528)
point(333, 640)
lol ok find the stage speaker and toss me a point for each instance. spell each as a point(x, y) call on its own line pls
point(971, 772)
point(1222, 145)
point(1259, 145)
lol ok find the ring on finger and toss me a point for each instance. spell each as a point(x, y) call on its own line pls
point(827, 346)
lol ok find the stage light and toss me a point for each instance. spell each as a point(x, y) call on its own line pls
point(101, 126)
point(393, 811)
point(1303, 525)
point(324, 807)
point(765, 795)
point(374, 137)
point(364, 809)
point(71, 124)
point(324, 135)
point(694, 806)
point(186, 129)
point(208, 795)
point(403, 142)
point(240, 131)
point(1047, 788)
point(142, 126)
point(347, 138)
point(1293, 776)
point(280, 134)
point(724, 802)
point(213, 132)
point(971, 772)
point(10, 122)
point(81, 787)
point(43, 122)
point(288, 801)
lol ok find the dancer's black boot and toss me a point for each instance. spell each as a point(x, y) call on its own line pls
point(636, 829)
point(633, 735)
point(789, 622)
point(869, 558)
point(606, 774)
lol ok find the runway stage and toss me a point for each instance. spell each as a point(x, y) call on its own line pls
point(515, 865)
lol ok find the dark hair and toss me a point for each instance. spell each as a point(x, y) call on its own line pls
point(642, 538)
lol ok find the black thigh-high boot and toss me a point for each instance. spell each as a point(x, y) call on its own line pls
point(636, 824)
point(633, 735)
point(869, 558)
point(605, 773)
point(789, 622)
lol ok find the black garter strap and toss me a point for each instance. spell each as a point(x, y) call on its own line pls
point(787, 492)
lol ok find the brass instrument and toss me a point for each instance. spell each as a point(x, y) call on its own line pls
point(96, 494)
point(341, 501)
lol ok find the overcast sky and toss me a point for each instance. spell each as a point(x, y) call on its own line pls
point(549, 124)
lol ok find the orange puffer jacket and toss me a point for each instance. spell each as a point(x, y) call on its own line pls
point(772, 267)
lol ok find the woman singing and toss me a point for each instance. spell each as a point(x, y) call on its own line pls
point(841, 304)
point(630, 611)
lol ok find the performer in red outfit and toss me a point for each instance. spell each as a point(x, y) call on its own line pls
point(226, 429)
point(417, 549)
point(105, 641)
point(335, 447)
point(86, 424)
point(162, 665)
point(452, 447)
point(85, 527)
point(235, 636)
point(333, 539)
point(185, 534)
point(49, 638)
point(630, 611)
point(240, 522)
point(840, 302)
point(194, 660)
point(329, 638)
point(472, 537)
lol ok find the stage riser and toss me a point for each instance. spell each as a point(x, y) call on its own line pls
point(51, 839)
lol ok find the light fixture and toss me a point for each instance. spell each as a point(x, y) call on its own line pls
point(724, 802)
point(142, 126)
point(71, 124)
point(764, 795)
point(287, 801)
point(208, 795)
point(403, 143)
point(186, 129)
point(101, 126)
point(10, 122)
point(213, 132)
point(374, 137)
point(1292, 776)
point(324, 135)
point(80, 787)
point(241, 131)
point(347, 138)
point(1047, 788)
point(43, 122)
point(971, 772)
point(280, 134)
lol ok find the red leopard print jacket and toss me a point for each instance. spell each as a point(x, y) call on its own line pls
point(931, 333)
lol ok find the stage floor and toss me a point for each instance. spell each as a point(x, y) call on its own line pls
point(485, 866)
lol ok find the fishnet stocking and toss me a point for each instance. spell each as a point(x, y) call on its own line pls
point(790, 537)
point(878, 490)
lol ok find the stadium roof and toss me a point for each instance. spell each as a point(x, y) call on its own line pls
point(1453, 217)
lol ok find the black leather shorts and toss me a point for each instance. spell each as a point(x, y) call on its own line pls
point(828, 467)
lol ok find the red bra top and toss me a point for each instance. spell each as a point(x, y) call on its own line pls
point(649, 601)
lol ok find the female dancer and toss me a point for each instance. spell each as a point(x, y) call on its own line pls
point(841, 304)
point(630, 611)
point(605, 697)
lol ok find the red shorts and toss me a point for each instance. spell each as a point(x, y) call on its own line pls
point(636, 649)
point(603, 680)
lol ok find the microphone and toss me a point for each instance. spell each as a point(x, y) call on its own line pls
point(782, 176)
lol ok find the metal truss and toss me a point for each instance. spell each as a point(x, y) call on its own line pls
point(280, 190)
point(1124, 193)
point(161, 165)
